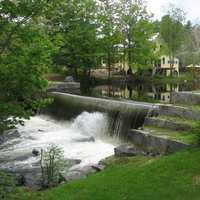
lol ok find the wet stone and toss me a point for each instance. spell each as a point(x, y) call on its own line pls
point(35, 152)
point(127, 150)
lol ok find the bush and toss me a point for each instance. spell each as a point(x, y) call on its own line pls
point(52, 163)
point(7, 186)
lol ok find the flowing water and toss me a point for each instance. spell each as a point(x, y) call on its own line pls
point(73, 136)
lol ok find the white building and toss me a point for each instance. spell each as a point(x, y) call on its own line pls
point(164, 66)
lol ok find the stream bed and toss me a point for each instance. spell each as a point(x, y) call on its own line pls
point(84, 138)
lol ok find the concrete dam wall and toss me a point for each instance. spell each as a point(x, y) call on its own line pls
point(123, 115)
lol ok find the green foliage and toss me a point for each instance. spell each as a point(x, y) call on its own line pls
point(189, 54)
point(52, 163)
point(79, 47)
point(25, 55)
point(172, 30)
point(137, 32)
point(7, 186)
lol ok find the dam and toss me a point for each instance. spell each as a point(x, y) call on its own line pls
point(122, 115)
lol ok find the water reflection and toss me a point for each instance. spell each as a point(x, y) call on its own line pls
point(141, 91)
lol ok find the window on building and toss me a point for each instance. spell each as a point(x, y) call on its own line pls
point(163, 98)
point(163, 61)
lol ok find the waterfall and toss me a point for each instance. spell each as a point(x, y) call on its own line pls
point(120, 115)
point(91, 124)
point(73, 136)
point(121, 121)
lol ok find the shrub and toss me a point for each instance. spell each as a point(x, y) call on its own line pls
point(52, 163)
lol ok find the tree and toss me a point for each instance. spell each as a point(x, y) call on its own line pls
point(137, 32)
point(79, 48)
point(172, 32)
point(109, 32)
point(25, 51)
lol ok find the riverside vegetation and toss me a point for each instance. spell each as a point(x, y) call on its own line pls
point(174, 176)
point(41, 36)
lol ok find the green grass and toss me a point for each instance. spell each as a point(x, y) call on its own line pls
point(172, 177)
point(182, 136)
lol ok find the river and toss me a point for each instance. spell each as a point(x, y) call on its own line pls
point(85, 137)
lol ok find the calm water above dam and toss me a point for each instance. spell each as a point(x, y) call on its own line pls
point(158, 93)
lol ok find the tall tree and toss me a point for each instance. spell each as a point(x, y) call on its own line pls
point(137, 31)
point(172, 31)
point(25, 51)
point(109, 34)
point(79, 31)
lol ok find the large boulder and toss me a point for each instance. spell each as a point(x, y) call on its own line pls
point(35, 152)
point(154, 144)
point(29, 177)
point(80, 173)
point(127, 150)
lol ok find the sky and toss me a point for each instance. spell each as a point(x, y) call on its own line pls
point(191, 7)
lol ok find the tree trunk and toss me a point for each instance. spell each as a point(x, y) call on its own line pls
point(109, 64)
point(171, 65)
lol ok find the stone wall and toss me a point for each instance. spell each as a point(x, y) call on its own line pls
point(154, 144)
point(178, 111)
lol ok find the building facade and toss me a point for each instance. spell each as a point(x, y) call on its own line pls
point(164, 66)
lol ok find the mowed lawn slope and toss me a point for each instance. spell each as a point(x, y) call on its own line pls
point(173, 177)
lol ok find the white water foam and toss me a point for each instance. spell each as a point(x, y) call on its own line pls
point(40, 131)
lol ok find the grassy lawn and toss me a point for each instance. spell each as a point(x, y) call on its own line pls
point(173, 177)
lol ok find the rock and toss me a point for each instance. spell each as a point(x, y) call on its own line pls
point(31, 177)
point(76, 174)
point(154, 144)
point(40, 130)
point(153, 154)
point(127, 150)
point(20, 179)
point(71, 162)
point(73, 175)
point(69, 79)
point(89, 139)
point(35, 152)
point(98, 167)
